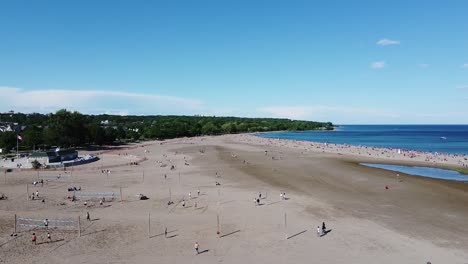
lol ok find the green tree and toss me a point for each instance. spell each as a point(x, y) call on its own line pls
point(66, 129)
point(32, 137)
point(209, 129)
point(7, 141)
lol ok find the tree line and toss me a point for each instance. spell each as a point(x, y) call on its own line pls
point(73, 129)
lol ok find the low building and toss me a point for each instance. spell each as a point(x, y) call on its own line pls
point(54, 156)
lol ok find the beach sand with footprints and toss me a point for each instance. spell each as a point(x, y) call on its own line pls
point(415, 220)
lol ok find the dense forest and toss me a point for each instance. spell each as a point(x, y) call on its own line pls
point(73, 129)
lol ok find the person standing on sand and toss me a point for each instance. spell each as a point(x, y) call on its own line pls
point(165, 232)
point(198, 192)
point(34, 238)
point(196, 248)
point(318, 231)
point(183, 203)
point(48, 237)
point(88, 217)
point(324, 229)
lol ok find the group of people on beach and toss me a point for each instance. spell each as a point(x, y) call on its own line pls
point(321, 231)
point(34, 238)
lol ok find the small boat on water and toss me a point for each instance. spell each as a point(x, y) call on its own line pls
point(443, 138)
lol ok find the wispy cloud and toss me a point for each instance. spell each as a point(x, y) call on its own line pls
point(465, 65)
point(423, 65)
point(462, 87)
point(378, 64)
point(94, 102)
point(387, 42)
point(322, 112)
point(362, 115)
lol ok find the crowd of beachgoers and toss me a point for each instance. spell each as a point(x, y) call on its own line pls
point(363, 151)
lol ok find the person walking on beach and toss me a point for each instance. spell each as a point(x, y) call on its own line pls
point(34, 238)
point(165, 232)
point(324, 229)
point(319, 233)
point(196, 247)
point(88, 217)
point(198, 192)
point(281, 196)
point(48, 237)
point(183, 203)
point(46, 223)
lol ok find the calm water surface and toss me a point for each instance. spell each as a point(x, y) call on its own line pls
point(430, 138)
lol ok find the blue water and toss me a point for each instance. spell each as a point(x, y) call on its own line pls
point(409, 137)
point(422, 171)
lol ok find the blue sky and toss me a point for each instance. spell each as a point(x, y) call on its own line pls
point(353, 62)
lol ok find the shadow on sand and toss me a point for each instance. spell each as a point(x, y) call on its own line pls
point(225, 235)
point(326, 232)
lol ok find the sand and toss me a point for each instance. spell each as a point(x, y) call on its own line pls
point(414, 221)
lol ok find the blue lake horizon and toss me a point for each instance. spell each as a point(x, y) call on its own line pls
point(451, 139)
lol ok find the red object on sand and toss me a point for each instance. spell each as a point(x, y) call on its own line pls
point(386, 187)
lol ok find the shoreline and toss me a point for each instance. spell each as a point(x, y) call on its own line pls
point(394, 156)
point(402, 149)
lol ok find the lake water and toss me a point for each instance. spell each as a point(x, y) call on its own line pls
point(430, 138)
point(435, 173)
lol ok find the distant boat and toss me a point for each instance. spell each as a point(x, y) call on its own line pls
point(444, 138)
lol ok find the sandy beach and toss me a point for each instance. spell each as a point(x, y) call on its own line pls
point(415, 220)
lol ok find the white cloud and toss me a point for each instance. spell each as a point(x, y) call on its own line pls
point(323, 112)
point(378, 64)
point(291, 112)
point(462, 87)
point(360, 115)
point(93, 102)
point(386, 42)
point(424, 65)
point(465, 65)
